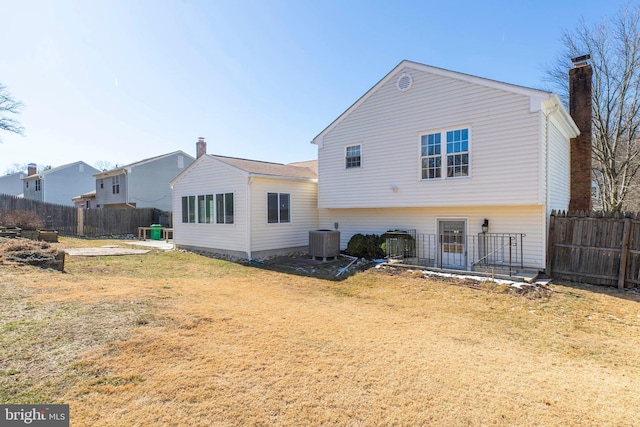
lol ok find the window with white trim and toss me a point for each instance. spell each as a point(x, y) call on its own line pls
point(445, 154)
point(188, 209)
point(352, 158)
point(278, 208)
point(224, 208)
point(115, 184)
point(38, 185)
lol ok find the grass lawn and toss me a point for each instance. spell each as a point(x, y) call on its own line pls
point(179, 339)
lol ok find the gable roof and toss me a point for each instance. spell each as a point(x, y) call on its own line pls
point(536, 95)
point(56, 169)
point(257, 167)
point(121, 169)
point(303, 171)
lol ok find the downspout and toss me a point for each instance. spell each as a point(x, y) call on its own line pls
point(248, 216)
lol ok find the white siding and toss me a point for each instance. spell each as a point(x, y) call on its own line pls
point(529, 220)
point(504, 146)
point(210, 177)
point(560, 169)
point(304, 214)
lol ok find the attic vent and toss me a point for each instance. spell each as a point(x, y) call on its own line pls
point(404, 82)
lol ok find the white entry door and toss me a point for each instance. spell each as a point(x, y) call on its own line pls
point(453, 243)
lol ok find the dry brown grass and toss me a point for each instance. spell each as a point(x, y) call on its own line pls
point(180, 339)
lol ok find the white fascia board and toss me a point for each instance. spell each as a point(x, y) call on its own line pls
point(565, 121)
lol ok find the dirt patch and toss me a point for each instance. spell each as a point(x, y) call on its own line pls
point(305, 265)
point(26, 251)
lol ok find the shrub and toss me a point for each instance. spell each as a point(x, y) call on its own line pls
point(403, 243)
point(365, 246)
point(20, 219)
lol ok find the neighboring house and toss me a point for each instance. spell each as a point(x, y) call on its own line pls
point(143, 184)
point(60, 184)
point(11, 184)
point(444, 153)
point(86, 200)
point(244, 208)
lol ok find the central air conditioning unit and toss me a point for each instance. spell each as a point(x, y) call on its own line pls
point(324, 244)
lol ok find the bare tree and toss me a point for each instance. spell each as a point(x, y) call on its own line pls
point(8, 108)
point(614, 46)
point(16, 167)
point(104, 165)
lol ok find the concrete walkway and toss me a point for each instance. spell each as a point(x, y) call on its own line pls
point(157, 244)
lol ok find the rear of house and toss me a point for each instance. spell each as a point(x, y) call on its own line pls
point(440, 154)
point(244, 208)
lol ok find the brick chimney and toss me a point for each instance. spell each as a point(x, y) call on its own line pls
point(580, 109)
point(201, 147)
point(32, 169)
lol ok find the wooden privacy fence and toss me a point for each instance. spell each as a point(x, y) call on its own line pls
point(63, 219)
point(71, 221)
point(103, 222)
point(593, 248)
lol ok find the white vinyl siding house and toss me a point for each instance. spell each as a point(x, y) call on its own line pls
point(443, 145)
point(204, 221)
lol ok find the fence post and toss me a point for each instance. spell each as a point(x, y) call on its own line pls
point(626, 235)
point(552, 220)
point(80, 223)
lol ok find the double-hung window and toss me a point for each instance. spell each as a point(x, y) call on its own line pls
point(352, 159)
point(458, 153)
point(278, 208)
point(115, 184)
point(445, 154)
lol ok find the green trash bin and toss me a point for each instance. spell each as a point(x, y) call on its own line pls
point(156, 231)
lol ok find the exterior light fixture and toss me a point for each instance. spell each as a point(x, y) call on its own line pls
point(485, 226)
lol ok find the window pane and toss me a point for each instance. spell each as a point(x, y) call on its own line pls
point(228, 208)
point(192, 208)
point(185, 210)
point(201, 209)
point(284, 208)
point(272, 208)
point(219, 208)
point(209, 208)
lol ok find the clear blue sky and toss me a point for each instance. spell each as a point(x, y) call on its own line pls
point(123, 80)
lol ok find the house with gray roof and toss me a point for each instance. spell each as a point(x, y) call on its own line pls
point(143, 184)
point(244, 208)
